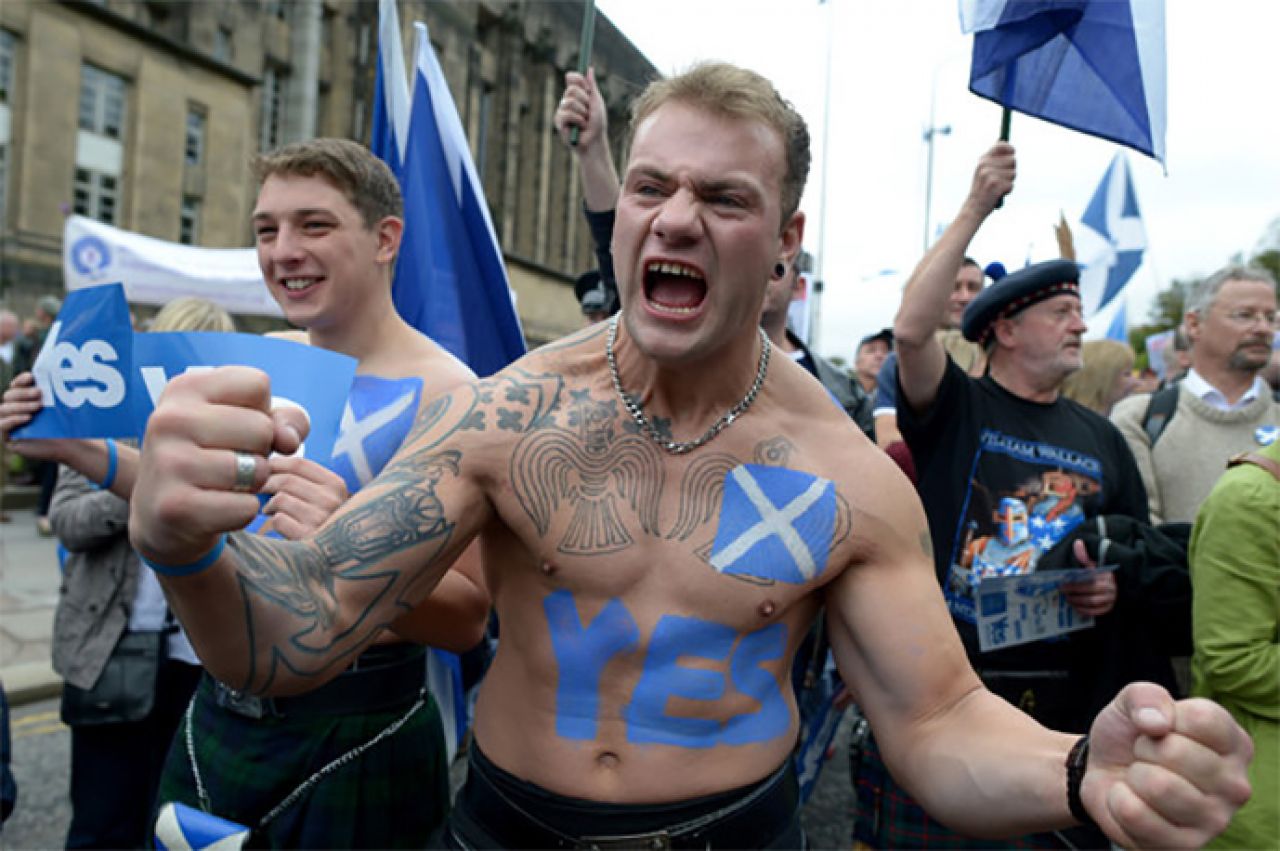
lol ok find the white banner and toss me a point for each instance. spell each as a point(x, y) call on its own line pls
point(156, 272)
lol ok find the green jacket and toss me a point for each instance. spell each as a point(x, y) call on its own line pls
point(1235, 577)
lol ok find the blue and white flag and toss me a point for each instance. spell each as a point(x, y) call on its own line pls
point(1097, 66)
point(450, 282)
point(377, 417)
point(1118, 330)
point(1113, 216)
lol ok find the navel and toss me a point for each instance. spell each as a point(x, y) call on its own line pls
point(607, 759)
point(548, 568)
point(766, 609)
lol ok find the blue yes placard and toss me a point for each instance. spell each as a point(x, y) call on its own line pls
point(84, 367)
point(315, 380)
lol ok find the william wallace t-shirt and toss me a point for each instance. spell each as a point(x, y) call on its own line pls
point(1002, 480)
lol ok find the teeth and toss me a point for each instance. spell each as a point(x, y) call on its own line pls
point(298, 283)
point(666, 268)
point(666, 308)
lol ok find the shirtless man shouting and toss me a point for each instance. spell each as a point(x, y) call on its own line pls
point(663, 507)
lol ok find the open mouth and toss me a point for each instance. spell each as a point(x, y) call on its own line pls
point(674, 288)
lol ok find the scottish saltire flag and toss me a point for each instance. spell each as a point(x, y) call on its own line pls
point(1114, 222)
point(1097, 66)
point(450, 281)
point(390, 130)
point(182, 828)
point(378, 414)
point(775, 524)
point(1118, 330)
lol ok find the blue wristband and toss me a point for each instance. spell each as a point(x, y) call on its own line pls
point(113, 460)
point(187, 569)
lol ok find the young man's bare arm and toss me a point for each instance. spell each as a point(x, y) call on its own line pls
point(921, 358)
point(974, 761)
point(275, 616)
point(454, 615)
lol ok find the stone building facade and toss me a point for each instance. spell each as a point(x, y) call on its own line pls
point(145, 113)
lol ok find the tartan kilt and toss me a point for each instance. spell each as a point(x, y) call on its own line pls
point(888, 817)
point(393, 796)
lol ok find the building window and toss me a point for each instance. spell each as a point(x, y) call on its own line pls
point(101, 102)
point(273, 80)
point(189, 222)
point(8, 49)
point(95, 195)
point(222, 44)
point(194, 151)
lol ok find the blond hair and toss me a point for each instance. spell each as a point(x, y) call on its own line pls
point(1094, 384)
point(362, 178)
point(732, 92)
point(192, 314)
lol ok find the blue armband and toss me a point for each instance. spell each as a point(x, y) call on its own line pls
point(113, 461)
point(187, 569)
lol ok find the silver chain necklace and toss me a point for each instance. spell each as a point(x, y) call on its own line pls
point(637, 413)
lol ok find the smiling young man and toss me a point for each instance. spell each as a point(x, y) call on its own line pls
point(663, 508)
point(367, 745)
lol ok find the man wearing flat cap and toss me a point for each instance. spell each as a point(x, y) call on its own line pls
point(1007, 468)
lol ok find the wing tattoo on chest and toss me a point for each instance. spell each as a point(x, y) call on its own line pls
point(590, 464)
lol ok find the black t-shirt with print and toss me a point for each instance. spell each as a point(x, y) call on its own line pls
point(1002, 480)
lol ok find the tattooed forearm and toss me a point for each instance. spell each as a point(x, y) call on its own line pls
point(295, 592)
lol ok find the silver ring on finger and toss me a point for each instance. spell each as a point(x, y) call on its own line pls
point(246, 469)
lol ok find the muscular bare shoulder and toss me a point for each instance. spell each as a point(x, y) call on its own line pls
point(880, 501)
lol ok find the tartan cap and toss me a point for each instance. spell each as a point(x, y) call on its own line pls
point(1016, 292)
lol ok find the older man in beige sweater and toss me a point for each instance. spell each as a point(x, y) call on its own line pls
point(1223, 406)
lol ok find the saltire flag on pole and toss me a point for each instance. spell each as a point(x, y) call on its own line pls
point(1113, 215)
point(1097, 66)
point(1118, 330)
point(450, 281)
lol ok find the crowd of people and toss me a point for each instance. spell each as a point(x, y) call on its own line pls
point(675, 527)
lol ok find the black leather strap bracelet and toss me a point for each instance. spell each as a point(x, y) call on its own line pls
point(1077, 762)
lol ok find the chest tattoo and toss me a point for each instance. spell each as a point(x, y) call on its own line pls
point(593, 466)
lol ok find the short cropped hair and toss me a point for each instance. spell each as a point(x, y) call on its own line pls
point(1203, 293)
point(732, 92)
point(349, 167)
point(192, 314)
point(49, 305)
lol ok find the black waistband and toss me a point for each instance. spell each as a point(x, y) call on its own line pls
point(516, 814)
point(383, 677)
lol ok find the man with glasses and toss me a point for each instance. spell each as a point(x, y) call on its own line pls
point(1222, 405)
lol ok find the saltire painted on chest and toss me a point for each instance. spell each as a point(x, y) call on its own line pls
point(776, 524)
point(377, 417)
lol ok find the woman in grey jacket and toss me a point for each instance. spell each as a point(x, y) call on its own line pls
point(115, 767)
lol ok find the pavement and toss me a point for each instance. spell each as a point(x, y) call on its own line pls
point(29, 579)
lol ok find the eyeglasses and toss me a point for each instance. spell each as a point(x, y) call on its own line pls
point(1249, 317)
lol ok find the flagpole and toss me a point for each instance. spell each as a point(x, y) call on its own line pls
point(815, 305)
point(584, 52)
